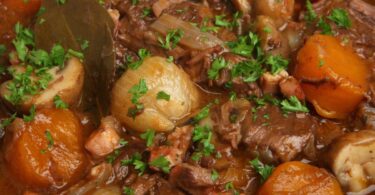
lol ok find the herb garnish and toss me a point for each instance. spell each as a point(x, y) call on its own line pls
point(263, 170)
point(161, 163)
point(171, 40)
point(149, 137)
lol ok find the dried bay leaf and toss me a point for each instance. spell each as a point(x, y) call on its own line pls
point(70, 25)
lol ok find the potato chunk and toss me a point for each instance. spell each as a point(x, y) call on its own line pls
point(46, 152)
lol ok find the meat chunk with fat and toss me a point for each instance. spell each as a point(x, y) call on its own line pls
point(106, 139)
point(291, 87)
point(191, 178)
point(281, 137)
point(178, 144)
point(228, 120)
point(270, 83)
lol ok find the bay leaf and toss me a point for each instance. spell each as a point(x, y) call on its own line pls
point(70, 25)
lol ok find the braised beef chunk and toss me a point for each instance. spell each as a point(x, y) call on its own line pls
point(191, 178)
point(152, 184)
point(228, 120)
point(178, 143)
point(284, 136)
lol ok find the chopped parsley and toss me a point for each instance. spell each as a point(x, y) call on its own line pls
point(214, 175)
point(205, 27)
point(134, 64)
point(220, 21)
point(112, 157)
point(310, 15)
point(49, 138)
point(136, 161)
point(245, 45)
point(263, 170)
point(172, 39)
point(276, 64)
point(128, 191)
point(203, 135)
point(137, 92)
point(30, 117)
point(85, 44)
point(340, 17)
point(6, 122)
point(324, 27)
point(293, 105)
point(161, 163)
point(267, 29)
point(61, 2)
point(162, 95)
point(59, 103)
point(135, 2)
point(203, 113)
point(250, 70)
point(230, 187)
point(216, 66)
point(3, 49)
point(35, 63)
point(146, 12)
point(149, 137)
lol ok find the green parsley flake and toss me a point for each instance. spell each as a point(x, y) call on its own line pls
point(216, 66)
point(250, 70)
point(203, 113)
point(6, 122)
point(59, 103)
point(221, 22)
point(277, 64)
point(142, 54)
point(161, 163)
point(340, 17)
point(172, 39)
point(230, 187)
point(163, 96)
point(214, 175)
point(49, 138)
point(136, 161)
point(310, 15)
point(3, 49)
point(30, 117)
point(263, 170)
point(128, 191)
point(203, 135)
point(138, 90)
point(245, 45)
point(61, 2)
point(324, 27)
point(293, 105)
point(85, 44)
point(146, 12)
point(149, 137)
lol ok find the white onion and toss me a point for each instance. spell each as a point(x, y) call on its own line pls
point(193, 37)
point(160, 115)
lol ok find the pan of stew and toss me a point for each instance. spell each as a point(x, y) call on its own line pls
point(187, 97)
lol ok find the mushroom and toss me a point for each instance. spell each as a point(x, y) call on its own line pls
point(66, 83)
point(352, 159)
point(106, 139)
